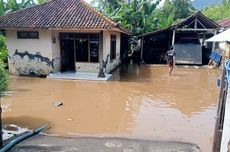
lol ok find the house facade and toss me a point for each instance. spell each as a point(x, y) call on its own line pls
point(62, 35)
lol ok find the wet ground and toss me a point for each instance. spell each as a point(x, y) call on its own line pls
point(143, 103)
point(40, 143)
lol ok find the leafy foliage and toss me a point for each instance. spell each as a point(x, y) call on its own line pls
point(14, 5)
point(3, 49)
point(218, 12)
point(141, 16)
point(135, 15)
point(3, 58)
point(3, 78)
point(172, 11)
point(41, 1)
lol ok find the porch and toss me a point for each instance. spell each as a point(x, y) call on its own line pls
point(70, 75)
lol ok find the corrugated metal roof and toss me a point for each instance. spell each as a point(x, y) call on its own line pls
point(224, 22)
point(208, 23)
point(59, 14)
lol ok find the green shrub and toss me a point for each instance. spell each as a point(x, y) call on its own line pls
point(3, 49)
point(3, 78)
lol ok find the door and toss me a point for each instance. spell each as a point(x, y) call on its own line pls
point(67, 55)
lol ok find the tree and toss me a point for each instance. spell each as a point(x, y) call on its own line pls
point(3, 87)
point(135, 15)
point(219, 11)
point(3, 49)
point(2, 7)
point(172, 11)
point(3, 78)
point(182, 9)
point(41, 1)
point(13, 5)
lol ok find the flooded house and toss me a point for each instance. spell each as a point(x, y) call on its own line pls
point(188, 38)
point(62, 35)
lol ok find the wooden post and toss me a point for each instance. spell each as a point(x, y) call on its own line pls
point(173, 36)
point(195, 25)
point(142, 44)
point(214, 43)
point(220, 109)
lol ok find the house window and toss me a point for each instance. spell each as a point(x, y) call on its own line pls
point(94, 47)
point(113, 47)
point(3, 32)
point(87, 47)
point(84, 46)
point(28, 35)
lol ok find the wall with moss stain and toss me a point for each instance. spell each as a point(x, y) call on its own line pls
point(25, 63)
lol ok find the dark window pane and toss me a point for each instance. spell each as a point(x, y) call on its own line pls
point(113, 37)
point(94, 46)
point(81, 50)
point(3, 32)
point(81, 35)
point(28, 34)
point(94, 36)
point(67, 36)
point(113, 47)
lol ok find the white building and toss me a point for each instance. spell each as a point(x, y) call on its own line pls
point(61, 35)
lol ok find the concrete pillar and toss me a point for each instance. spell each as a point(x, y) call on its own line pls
point(101, 47)
point(214, 43)
point(101, 70)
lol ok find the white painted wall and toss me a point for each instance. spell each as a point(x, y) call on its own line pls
point(87, 67)
point(106, 49)
point(46, 47)
point(56, 51)
point(40, 46)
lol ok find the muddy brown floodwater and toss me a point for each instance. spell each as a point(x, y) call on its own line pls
point(143, 103)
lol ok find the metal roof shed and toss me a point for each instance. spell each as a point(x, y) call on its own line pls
point(188, 36)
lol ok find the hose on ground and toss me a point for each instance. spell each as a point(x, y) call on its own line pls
point(18, 139)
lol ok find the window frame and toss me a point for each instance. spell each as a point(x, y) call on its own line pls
point(27, 34)
point(113, 49)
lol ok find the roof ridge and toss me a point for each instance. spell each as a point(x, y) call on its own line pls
point(100, 14)
point(209, 19)
point(193, 15)
point(180, 23)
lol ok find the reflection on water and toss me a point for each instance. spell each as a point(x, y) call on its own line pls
point(144, 103)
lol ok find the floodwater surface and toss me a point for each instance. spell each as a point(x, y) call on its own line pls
point(143, 103)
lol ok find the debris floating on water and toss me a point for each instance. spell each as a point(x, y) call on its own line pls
point(58, 103)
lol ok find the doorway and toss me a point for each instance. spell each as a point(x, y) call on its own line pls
point(67, 55)
point(78, 47)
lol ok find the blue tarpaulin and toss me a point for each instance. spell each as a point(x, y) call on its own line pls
point(216, 57)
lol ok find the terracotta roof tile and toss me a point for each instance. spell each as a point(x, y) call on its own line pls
point(59, 14)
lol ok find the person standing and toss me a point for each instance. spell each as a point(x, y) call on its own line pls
point(171, 59)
